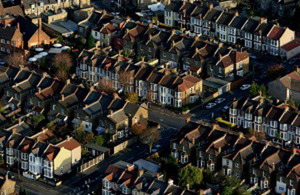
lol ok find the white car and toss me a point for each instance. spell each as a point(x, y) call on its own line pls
point(210, 105)
point(225, 108)
point(220, 100)
point(245, 87)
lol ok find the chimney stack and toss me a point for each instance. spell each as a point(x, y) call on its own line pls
point(170, 182)
point(40, 23)
point(211, 5)
point(188, 119)
point(141, 172)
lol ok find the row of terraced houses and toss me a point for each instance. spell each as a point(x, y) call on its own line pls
point(280, 122)
point(264, 167)
point(252, 33)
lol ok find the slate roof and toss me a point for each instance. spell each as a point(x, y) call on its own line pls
point(174, 6)
point(264, 29)
point(225, 18)
point(250, 26)
point(238, 22)
point(212, 15)
point(8, 32)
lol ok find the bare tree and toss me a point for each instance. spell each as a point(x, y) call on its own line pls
point(106, 85)
point(150, 137)
point(124, 79)
point(62, 75)
point(15, 59)
point(62, 63)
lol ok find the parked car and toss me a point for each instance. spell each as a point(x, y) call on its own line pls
point(220, 100)
point(156, 148)
point(210, 105)
point(292, 61)
point(2, 62)
point(225, 108)
point(245, 87)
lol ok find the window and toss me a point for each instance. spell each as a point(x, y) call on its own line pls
point(200, 154)
point(266, 184)
point(106, 184)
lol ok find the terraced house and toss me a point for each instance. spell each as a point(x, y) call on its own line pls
point(278, 121)
point(33, 7)
point(254, 33)
point(264, 167)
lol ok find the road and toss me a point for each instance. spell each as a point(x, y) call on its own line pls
point(201, 113)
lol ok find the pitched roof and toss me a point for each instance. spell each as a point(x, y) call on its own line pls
point(43, 135)
point(291, 81)
point(212, 15)
point(291, 45)
point(225, 18)
point(250, 26)
point(276, 33)
point(70, 144)
point(51, 152)
point(238, 22)
point(8, 32)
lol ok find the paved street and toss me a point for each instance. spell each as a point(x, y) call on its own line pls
point(166, 117)
point(201, 113)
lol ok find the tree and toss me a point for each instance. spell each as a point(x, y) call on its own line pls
point(260, 136)
point(293, 104)
point(275, 71)
point(89, 138)
point(124, 78)
point(2, 109)
point(190, 176)
point(254, 88)
point(100, 139)
point(62, 75)
point(91, 42)
point(170, 167)
point(59, 39)
point(62, 63)
point(79, 134)
point(138, 128)
point(132, 97)
point(37, 119)
point(231, 185)
point(150, 137)
point(43, 64)
point(16, 59)
point(106, 85)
